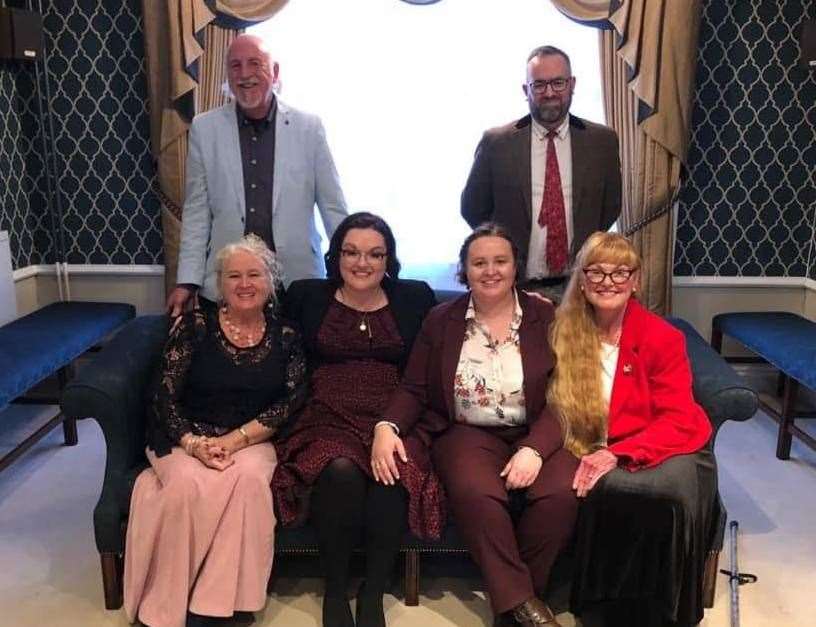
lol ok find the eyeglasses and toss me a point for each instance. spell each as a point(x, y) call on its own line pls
point(373, 257)
point(557, 84)
point(618, 276)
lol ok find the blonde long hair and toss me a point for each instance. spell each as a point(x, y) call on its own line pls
point(575, 391)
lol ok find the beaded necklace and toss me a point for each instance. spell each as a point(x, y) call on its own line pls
point(239, 335)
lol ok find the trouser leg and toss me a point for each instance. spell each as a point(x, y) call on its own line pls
point(468, 461)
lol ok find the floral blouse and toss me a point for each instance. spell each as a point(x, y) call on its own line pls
point(209, 386)
point(489, 382)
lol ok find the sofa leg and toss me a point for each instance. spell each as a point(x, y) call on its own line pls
point(710, 578)
point(411, 577)
point(69, 427)
point(69, 432)
point(783, 442)
point(716, 340)
point(112, 579)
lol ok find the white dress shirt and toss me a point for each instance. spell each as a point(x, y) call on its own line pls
point(537, 252)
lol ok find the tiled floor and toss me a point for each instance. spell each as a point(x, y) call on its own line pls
point(50, 568)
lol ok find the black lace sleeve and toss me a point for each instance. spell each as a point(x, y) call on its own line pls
point(296, 382)
point(178, 353)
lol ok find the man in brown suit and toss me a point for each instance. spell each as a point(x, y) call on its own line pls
point(551, 179)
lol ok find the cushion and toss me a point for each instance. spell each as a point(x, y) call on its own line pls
point(786, 340)
point(37, 345)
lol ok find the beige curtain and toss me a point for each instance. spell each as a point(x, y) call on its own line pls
point(648, 62)
point(180, 36)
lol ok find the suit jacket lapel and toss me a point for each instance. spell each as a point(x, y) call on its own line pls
point(283, 146)
point(232, 158)
point(628, 368)
point(581, 178)
point(521, 150)
point(315, 306)
point(401, 309)
point(530, 338)
point(452, 340)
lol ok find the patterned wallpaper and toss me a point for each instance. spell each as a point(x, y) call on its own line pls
point(23, 211)
point(749, 206)
point(98, 103)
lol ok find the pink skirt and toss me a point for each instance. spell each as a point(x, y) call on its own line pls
point(199, 538)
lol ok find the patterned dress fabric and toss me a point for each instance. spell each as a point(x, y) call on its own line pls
point(356, 371)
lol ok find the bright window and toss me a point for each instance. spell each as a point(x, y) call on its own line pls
point(405, 92)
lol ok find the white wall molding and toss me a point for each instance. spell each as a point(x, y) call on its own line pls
point(742, 281)
point(90, 269)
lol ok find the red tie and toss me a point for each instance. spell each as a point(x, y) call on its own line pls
point(552, 214)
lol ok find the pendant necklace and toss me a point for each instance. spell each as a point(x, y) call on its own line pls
point(364, 325)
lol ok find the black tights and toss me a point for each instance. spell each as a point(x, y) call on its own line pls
point(344, 504)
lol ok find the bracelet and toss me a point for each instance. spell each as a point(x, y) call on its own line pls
point(242, 431)
point(192, 443)
point(188, 444)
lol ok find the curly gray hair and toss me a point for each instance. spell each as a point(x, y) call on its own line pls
point(253, 245)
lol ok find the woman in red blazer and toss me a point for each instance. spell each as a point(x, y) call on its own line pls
point(477, 379)
point(622, 390)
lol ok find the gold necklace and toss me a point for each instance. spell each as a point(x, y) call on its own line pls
point(240, 335)
point(364, 325)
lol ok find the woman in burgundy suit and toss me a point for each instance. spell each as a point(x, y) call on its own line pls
point(477, 377)
point(622, 388)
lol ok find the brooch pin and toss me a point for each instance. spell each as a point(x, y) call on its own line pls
point(627, 368)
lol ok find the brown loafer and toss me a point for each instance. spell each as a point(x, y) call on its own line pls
point(534, 612)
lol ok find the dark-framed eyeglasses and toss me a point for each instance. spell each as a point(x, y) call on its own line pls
point(556, 84)
point(618, 276)
point(374, 257)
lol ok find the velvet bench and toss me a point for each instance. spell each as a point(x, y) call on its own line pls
point(113, 390)
point(45, 343)
point(787, 341)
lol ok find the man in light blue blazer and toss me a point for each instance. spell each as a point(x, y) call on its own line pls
point(254, 165)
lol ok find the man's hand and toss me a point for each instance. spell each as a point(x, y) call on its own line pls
point(539, 296)
point(522, 469)
point(181, 299)
point(591, 469)
point(386, 444)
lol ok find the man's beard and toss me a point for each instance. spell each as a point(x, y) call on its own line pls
point(549, 112)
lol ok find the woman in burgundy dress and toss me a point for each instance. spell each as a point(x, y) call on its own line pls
point(358, 327)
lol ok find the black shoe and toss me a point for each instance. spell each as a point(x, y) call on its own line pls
point(504, 620)
point(370, 612)
point(337, 611)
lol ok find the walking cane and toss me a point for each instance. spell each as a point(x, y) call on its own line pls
point(735, 577)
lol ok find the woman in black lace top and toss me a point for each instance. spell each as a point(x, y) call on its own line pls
point(201, 530)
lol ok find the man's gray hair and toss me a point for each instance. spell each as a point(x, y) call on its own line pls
point(253, 245)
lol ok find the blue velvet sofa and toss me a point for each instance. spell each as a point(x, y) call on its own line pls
point(113, 391)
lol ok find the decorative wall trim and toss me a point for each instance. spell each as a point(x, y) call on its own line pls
point(90, 269)
point(736, 281)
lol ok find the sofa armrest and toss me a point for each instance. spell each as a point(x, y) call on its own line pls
point(112, 389)
point(721, 392)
